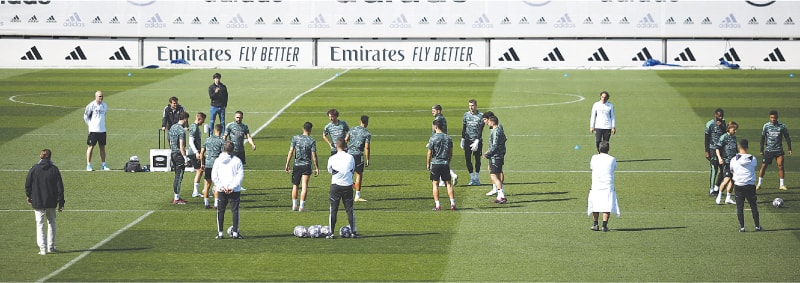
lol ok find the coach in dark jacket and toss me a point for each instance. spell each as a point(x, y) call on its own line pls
point(171, 114)
point(45, 191)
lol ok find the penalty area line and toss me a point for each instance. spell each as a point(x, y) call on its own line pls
point(95, 247)
point(275, 116)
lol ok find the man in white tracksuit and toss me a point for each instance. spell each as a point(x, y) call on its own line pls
point(743, 166)
point(227, 175)
point(602, 121)
point(603, 194)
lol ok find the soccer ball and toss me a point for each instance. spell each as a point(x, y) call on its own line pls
point(325, 231)
point(230, 231)
point(345, 232)
point(314, 231)
point(777, 202)
point(300, 231)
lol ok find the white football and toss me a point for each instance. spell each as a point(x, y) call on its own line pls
point(230, 231)
point(777, 202)
point(345, 232)
point(300, 231)
point(325, 231)
point(314, 231)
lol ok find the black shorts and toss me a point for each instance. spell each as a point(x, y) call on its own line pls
point(96, 138)
point(769, 155)
point(298, 172)
point(726, 170)
point(440, 172)
point(240, 154)
point(495, 166)
point(193, 161)
point(359, 168)
point(207, 173)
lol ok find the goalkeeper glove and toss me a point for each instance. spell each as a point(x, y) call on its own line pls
point(462, 143)
point(474, 145)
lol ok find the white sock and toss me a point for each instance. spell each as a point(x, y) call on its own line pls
point(759, 181)
point(294, 203)
point(437, 203)
point(500, 194)
point(196, 185)
point(302, 203)
point(358, 194)
point(452, 201)
point(494, 187)
point(177, 196)
point(728, 197)
point(716, 188)
point(781, 182)
point(206, 201)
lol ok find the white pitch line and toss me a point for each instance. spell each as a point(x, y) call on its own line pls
point(95, 247)
point(275, 116)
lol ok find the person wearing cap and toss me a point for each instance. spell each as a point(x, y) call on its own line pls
point(218, 93)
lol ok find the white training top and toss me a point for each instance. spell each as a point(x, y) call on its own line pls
point(228, 172)
point(95, 116)
point(341, 166)
point(603, 167)
point(602, 116)
point(744, 169)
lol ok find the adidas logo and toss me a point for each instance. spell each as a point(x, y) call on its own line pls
point(74, 21)
point(788, 21)
point(647, 22)
point(642, 55)
point(730, 22)
point(509, 56)
point(360, 21)
point(400, 22)
point(670, 21)
point(686, 55)
point(731, 56)
point(114, 20)
point(688, 21)
point(523, 21)
point(178, 21)
point(505, 21)
point(541, 21)
point(605, 21)
point(423, 21)
point(121, 54)
point(460, 21)
point(32, 54)
point(196, 21)
point(318, 22)
point(33, 20)
point(51, 20)
point(133, 21)
point(16, 19)
point(97, 20)
point(155, 22)
point(706, 21)
point(600, 55)
point(564, 22)
point(752, 21)
point(588, 21)
point(76, 54)
point(482, 22)
point(775, 56)
point(624, 21)
point(295, 21)
point(260, 21)
point(236, 22)
point(277, 21)
point(341, 21)
point(213, 21)
point(772, 21)
point(441, 21)
point(555, 55)
point(377, 21)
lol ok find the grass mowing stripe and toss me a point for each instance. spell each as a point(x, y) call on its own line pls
point(95, 247)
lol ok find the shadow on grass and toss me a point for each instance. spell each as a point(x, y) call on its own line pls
point(648, 229)
point(540, 194)
point(540, 200)
point(525, 183)
point(398, 235)
point(60, 251)
point(645, 160)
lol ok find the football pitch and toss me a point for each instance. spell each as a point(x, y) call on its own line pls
point(120, 226)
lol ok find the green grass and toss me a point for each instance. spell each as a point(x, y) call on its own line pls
point(669, 229)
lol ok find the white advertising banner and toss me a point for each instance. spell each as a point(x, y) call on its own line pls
point(401, 18)
point(67, 53)
point(239, 53)
point(761, 54)
point(573, 53)
point(401, 53)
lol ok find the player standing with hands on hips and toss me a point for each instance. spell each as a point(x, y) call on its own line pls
point(45, 191)
point(743, 166)
point(602, 121)
point(440, 153)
